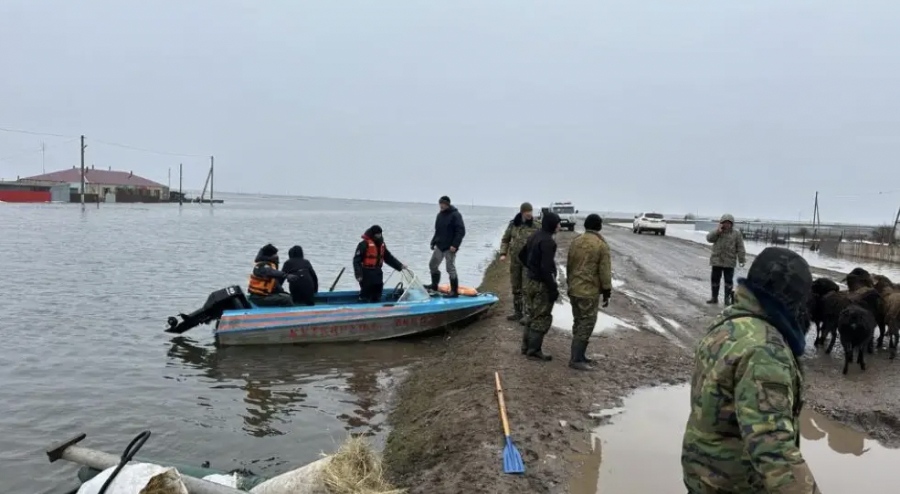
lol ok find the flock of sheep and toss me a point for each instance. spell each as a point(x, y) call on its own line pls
point(869, 301)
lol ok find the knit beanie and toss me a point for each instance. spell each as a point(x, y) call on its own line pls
point(593, 222)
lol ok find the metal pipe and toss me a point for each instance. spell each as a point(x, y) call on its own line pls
point(101, 461)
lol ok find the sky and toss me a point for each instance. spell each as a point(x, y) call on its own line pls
point(702, 106)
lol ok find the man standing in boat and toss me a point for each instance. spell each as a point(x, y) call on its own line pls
point(368, 262)
point(265, 288)
point(541, 289)
point(449, 231)
point(520, 228)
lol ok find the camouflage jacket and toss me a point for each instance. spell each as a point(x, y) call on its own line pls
point(727, 249)
point(743, 434)
point(515, 236)
point(588, 268)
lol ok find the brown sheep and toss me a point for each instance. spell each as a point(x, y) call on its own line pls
point(860, 291)
point(859, 283)
point(816, 307)
point(891, 295)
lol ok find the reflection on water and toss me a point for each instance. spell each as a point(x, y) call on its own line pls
point(277, 381)
point(647, 437)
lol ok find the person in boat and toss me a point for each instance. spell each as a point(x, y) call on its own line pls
point(589, 276)
point(371, 255)
point(743, 434)
point(449, 231)
point(541, 289)
point(265, 288)
point(518, 231)
point(306, 284)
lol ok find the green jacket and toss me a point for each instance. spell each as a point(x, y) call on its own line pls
point(727, 249)
point(516, 235)
point(743, 434)
point(588, 267)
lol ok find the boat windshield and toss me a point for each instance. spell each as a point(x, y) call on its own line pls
point(413, 289)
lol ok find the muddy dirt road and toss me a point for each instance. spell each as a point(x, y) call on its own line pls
point(446, 436)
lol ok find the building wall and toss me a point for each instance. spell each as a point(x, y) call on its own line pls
point(25, 195)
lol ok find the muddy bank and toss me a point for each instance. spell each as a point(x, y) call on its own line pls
point(446, 435)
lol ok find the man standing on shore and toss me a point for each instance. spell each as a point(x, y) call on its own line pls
point(743, 434)
point(589, 275)
point(449, 231)
point(541, 289)
point(520, 228)
point(727, 250)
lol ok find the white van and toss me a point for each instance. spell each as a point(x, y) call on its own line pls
point(566, 212)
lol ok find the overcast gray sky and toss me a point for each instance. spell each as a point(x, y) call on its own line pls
point(678, 106)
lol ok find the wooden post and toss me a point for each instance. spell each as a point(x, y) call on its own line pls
point(212, 167)
point(82, 172)
point(894, 229)
point(180, 193)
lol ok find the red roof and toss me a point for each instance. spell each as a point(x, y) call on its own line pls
point(94, 176)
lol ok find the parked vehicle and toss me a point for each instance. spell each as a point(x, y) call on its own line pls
point(566, 212)
point(649, 222)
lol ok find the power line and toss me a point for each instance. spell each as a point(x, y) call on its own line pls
point(39, 149)
point(20, 131)
point(134, 148)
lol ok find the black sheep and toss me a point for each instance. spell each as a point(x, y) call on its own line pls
point(856, 325)
point(860, 285)
point(815, 306)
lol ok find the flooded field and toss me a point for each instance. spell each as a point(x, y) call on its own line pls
point(645, 436)
point(84, 348)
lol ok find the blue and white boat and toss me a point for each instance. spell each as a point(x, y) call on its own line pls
point(406, 309)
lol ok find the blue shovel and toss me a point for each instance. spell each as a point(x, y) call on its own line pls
point(512, 460)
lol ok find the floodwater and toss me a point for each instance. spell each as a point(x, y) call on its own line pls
point(645, 436)
point(84, 348)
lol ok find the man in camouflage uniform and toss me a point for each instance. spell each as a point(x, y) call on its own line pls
point(541, 288)
point(743, 434)
point(727, 250)
point(514, 238)
point(589, 274)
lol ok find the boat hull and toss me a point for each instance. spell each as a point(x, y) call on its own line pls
point(330, 324)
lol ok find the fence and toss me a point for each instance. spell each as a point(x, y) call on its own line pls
point(862, 242)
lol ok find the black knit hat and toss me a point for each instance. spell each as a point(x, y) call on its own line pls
point(593, 222)
point(445, 200)
point(784, 275)
point(268, 250)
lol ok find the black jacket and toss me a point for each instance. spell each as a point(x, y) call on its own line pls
point(449, 229)
point(298, 265)
point(539, 253)
point(264, 271)
point(360, 255)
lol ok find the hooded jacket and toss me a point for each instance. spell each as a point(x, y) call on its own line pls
point(362, 247)
point(539, 253)
point(269, 254)
point(449, 229)
point(517, 234)
point(298, 265)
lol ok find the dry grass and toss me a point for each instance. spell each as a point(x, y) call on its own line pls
point(356, 469)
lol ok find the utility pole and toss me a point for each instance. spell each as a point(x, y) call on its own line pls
point(180, 193)
point(212, 167)
point(82, 171)
point(816, 221)
point(169, 184)
point(43, 148)
point(894, 229)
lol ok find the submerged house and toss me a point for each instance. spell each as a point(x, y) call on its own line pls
point(101, 185)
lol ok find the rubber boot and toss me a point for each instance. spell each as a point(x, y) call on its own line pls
point(454, 288)
point(517, 311)
point(535, 341)
point(435, 281)
point(728, 297)
point(584, 357)
point(715, 294)
point(525, 341)
point(576, 361)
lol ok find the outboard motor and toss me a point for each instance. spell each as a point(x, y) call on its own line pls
point(230, 298)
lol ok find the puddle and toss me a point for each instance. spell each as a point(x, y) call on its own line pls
point(562, 319)
point(647, 438)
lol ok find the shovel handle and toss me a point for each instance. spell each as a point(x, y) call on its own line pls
point(502, 405)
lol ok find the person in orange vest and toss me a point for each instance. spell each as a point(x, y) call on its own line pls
point(371, 254)
point(265, 288)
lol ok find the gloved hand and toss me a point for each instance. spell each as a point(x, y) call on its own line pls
point(554, 295)
point(606, 295)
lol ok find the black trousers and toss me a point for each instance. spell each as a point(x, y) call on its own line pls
point(371, 285)
point(718, 272)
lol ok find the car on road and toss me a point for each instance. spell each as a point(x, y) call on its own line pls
point(649, 222)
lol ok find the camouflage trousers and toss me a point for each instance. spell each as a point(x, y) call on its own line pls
point(538, 305)
point(516, 276)
point(584, 314)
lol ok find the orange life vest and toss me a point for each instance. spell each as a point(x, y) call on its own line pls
point(262, 286)
point(374, 257)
